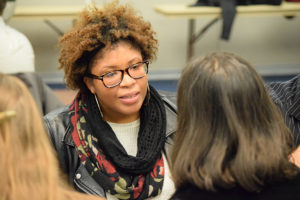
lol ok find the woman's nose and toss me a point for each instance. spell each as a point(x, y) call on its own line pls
point(127, 80)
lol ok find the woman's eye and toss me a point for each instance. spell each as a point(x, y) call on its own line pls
point(135, 67)
point(110, 74)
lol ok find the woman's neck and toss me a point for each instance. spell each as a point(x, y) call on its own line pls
point(120, 119)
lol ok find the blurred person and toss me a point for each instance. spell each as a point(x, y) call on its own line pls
point(114, 139)
point(43, 95)
point(231, 141)
point(17, 58)
point(29, 168)
point(286, 95)
point(16, 53)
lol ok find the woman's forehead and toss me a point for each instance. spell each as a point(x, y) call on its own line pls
point(118, 56)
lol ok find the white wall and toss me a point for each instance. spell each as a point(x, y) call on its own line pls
point(268, 42)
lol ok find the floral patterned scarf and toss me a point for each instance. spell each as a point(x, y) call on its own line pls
point(121, 175)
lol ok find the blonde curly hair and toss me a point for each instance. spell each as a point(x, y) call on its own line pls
point(97, 29)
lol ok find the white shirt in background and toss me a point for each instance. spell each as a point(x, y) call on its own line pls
point(16, 53)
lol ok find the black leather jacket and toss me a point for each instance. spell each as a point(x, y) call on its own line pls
point(58, 126)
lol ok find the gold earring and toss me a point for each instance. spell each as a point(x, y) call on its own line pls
point(148, 95)
point(98, 105)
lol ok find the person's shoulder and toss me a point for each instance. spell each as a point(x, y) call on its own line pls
point(56, 123)
point(169, 98)
point(167, 94)
point(279, 189)
point(57, 119)
point(294, 181)
point(18, 38)
point(281, 86)
point(192, 192)
point(28, 77)
point(16, 33)
point(284, 91)
point(59, 113)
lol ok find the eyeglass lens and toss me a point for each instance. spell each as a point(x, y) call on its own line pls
point(112, 79)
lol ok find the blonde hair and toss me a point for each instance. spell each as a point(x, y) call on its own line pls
point(229, 130)
point(29, 168)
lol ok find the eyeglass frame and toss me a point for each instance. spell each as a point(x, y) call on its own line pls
point(93, 76)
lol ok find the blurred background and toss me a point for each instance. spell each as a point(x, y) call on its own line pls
point(271, 43)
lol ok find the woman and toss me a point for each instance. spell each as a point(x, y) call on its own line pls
point(113, 139)
point(29, 168)
point(231, 142)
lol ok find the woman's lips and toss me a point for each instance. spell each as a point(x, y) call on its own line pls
point(130, 98)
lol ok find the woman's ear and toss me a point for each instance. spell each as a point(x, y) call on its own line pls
point(89, 84)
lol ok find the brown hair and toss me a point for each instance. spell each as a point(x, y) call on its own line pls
point(100, 28)
point(2, 6)
point(29, 168)
point(229, 130)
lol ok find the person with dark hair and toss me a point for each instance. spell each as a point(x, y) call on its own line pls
point(29, 168)
point(114, 139)
point(231, 141)
point(16, 52)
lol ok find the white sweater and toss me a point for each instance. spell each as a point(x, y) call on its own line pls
point(127, 134)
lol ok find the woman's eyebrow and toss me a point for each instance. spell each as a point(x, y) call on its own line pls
point(130, 62)
point(110, 67)
point(134, 61)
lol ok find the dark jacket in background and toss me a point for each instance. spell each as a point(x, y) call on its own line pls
point(286, 95)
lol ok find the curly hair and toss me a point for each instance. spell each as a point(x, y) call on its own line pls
point(97, 29)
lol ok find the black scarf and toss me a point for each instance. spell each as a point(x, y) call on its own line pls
point(122, 175)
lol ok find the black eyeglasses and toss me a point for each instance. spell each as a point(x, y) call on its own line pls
point(114, 78)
